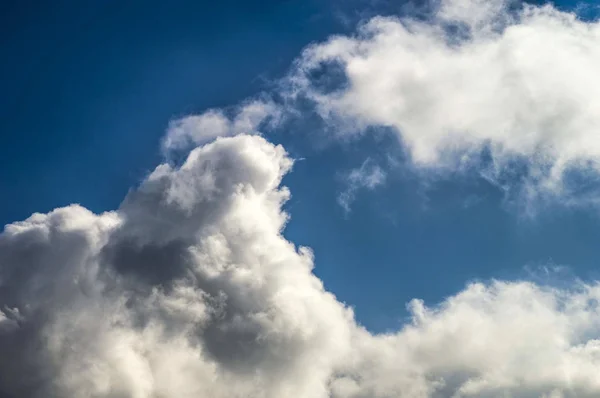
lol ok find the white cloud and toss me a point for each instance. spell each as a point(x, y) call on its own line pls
point(368, 176)
point(517, 82)
point(194, 130)
point(189, 289)
point(496, 340)
point(522, 83)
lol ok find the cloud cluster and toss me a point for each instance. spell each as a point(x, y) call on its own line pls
point(497, 86)
point(517, 83)
point(189, 289)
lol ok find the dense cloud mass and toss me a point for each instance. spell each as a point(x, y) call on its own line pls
point(189, 288)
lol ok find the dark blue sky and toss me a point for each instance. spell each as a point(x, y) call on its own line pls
point(88, 90)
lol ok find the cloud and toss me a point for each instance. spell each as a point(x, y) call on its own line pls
point(500, 88)
point(367, 176)
point(194, 130)
point(478, 79)
point(490, 340)
point(189, 289)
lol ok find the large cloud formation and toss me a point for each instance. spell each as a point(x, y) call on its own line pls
point(518, 83)
point(189, 288)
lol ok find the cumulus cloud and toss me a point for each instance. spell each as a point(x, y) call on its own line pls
point(189, 289)
point(368, 176)
point(479, 78)
point(194, 130)
point(490, 340)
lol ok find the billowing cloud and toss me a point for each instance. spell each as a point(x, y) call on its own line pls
point(490, 340)
point(478, 80)
point(189, 289)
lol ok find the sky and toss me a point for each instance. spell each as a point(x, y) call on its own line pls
point(345, 199)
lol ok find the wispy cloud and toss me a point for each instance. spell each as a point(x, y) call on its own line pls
point(368, 176)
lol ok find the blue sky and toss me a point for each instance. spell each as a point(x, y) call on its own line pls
point(89, 89)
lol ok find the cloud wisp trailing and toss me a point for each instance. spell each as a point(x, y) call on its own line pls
point(368, 176)
point(190, 289)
